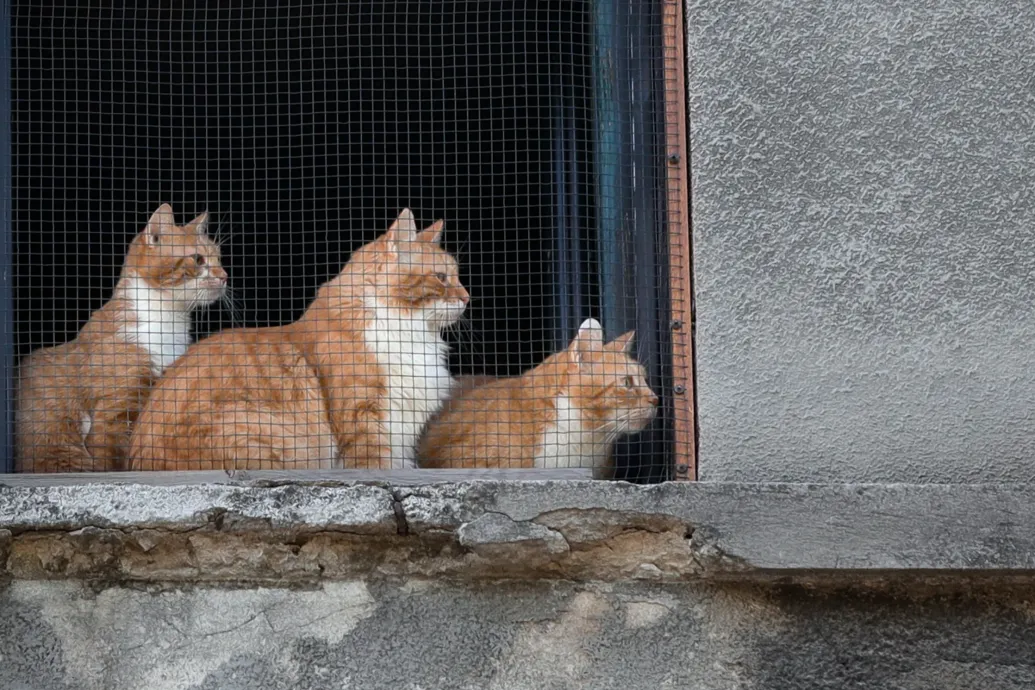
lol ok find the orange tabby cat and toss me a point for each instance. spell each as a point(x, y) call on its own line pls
point(77, 401)
point(566, 412)
point(350, 384)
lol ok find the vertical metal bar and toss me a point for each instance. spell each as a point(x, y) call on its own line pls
point(642, 300)
point(608, 61)
point(6, 230)
point(568, 241)
point(630, 199)
point(576, 248)
point(677, 187)
point(562, 241)
point(655, 445)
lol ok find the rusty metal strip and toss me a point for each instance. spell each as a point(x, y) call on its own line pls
point(677, 185)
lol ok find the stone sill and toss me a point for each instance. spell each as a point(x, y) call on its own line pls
point(291, 531)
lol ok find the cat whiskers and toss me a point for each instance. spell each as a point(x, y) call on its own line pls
point(464, 334)
point(230, 304)
point(228, 301)
point(615, 426)
point(218, 237)
point(460, 327)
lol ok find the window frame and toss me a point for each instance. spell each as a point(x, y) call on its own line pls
point(673, 218)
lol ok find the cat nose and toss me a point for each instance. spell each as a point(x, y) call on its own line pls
point(654, 400)
point(464, 297)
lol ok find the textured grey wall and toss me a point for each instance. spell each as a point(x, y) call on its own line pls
point(863, 223)
point(421, 635)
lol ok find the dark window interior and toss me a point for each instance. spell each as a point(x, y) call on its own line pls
point(305, 127)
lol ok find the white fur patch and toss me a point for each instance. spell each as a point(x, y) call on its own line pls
point(85, 424)
point(567, 443)
point(414, 355)
point(159, 324)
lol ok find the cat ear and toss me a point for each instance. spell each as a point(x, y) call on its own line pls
point(161, 221)
point(199, 224)
point(404, 229)
point(590, 331)
point(589, 337)
point(623, 343)
point(433, 233)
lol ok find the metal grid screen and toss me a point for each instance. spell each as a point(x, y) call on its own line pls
point(267, 180)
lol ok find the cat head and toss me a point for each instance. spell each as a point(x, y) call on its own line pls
point(180, 262)
point(606, 383)
point(410, 272)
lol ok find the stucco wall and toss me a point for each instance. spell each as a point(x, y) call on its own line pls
point(863, 219)
point(419, 634)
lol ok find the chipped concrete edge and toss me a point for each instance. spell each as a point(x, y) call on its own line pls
point(295, 532)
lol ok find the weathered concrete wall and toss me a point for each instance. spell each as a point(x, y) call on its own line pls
point(516, 585)
point(863, 211)
point(578, 530)
point(420, 634)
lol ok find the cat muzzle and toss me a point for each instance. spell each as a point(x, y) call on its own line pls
point(214, 282)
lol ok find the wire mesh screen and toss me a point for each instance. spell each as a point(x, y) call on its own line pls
point(298, 235)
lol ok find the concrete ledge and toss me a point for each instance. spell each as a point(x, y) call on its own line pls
point(299, 532)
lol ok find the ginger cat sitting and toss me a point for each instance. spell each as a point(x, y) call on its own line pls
point(566, 412)
point(76, 403)
point(350, 384)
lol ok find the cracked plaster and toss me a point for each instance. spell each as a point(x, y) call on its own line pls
point(553, 529)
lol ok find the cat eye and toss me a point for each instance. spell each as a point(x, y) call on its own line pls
point(199, 260)
point(442, 277)
point(630, 382)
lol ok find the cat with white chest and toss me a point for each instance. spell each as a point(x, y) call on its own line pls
point(566, 412)
point(76, 403)
point(350, 384)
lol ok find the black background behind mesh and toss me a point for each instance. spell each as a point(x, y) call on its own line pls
point(304, 128)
